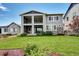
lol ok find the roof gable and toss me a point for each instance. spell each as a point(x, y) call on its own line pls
point(9, 25)
point(32, 12)
point(70, 7)
point(13, 23)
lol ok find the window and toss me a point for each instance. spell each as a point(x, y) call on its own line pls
point(74, 14)
point(39, 29)
point(56, 18)
point(50, 18)
point(67, 18)
point(13, 29)
point(54, 27)
point(5, 30)
point(59, 25)
point(47, 28)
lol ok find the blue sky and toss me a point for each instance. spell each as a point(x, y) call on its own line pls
point(9, 12)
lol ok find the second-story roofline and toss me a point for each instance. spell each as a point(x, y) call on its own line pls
point(70, 7)
point(33, 11)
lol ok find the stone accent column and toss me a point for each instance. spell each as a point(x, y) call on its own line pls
point(22, 24)
point(44, 23)
point(32, 25)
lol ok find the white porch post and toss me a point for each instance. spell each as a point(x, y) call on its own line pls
point(44, 23)
point(22, 26)
point(2, 30)
point(32, 25)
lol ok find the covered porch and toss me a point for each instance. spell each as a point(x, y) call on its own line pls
point(38, 28)
point(30, 30)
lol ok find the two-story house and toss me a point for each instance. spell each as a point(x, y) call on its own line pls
point(34, 21)
point(72, 12)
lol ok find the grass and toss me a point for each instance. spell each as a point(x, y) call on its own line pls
point(66, 45)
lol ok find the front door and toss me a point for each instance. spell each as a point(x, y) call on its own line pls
point(29, 30)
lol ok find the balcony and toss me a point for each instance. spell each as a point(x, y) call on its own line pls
point(27, 19)
point(38, 19)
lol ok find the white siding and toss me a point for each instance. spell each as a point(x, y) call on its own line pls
point(45, 23)
point(12, 27)
point(70, 14)
point(53, 22)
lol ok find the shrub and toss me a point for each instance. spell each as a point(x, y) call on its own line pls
point(44, 33)
point(61, 34)
point(40, 33)
point(48, 33)
point(8, 34)
point(30, 49)
point(22, 35)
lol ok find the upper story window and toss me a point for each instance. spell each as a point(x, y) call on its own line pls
point(67, 18)
point(56, 18)
point(5, 30)
point(50, 18)
point(74, 14)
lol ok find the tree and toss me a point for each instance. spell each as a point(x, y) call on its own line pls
point(74, 25)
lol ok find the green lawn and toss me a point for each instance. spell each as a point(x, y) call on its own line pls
point(66, 45)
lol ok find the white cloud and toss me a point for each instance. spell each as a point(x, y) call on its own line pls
point(3, 8)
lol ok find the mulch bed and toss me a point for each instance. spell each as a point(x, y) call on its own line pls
point(56, 54)
point(12, 52)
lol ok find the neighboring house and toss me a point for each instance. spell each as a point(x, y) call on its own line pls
point(12, 28)
point(72, 11)
point(34, 21)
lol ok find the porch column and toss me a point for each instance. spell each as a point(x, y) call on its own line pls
point(2, 30)
point(22, 26)
point(32, 25)
point(44, 23)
